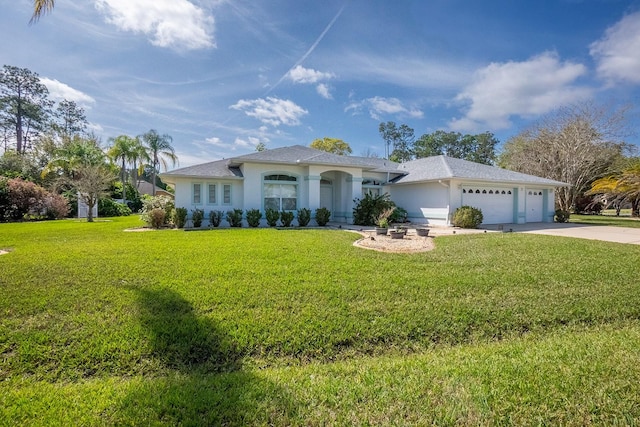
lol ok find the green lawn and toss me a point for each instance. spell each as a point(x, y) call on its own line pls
point(616, 221)
point(261, 326)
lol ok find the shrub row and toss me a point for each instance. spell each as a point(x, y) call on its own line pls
point(20, 200)
point(253, 217)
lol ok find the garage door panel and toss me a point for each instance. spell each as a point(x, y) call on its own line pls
point(534, 203)
point(496, 204)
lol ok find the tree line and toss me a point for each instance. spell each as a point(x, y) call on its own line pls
point(48, 144)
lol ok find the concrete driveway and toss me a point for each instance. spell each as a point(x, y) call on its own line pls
point(581, 231)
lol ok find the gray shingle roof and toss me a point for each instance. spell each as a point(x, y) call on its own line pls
point(219, 168)
point(443, 167)
point(427, 169)
point(299, 154)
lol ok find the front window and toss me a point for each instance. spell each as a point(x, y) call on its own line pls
point(280, 192)
point(196, 194)
point(226, 194)
point(212, 194)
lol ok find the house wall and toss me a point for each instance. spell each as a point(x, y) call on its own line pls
point(184, 195)
point(434, 203)
point(424, 202)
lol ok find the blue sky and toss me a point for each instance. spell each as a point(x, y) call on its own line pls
point(222, 76)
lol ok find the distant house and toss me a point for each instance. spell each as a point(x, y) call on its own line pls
point(430, 189)
point(145, 187)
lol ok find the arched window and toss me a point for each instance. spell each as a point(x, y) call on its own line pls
point(280, 192)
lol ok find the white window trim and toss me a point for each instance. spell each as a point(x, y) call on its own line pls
point(222, 202)
point(215, 194)
point(193, 193)
point(295, 183)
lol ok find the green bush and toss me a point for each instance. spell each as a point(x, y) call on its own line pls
point(157, 216)
point(234, 217)
point(399, 215)
point(272, 217)
point(253, 217)
point(304, 217)
point(110, 207)
point(197, 215)
point(322, 216)
point(562, 215)
point(215, 218)
point(179, 216)
point(369, 208)
point(286, 218)
point(467, 217)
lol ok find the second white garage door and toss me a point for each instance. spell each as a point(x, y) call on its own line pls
point(496, 203)
point(534, 203)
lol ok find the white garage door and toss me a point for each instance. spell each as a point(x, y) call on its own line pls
point(496, 203)
point(534, 203)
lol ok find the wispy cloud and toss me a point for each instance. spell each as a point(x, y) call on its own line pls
point(272, 111)
point(310, 50)
point(529, 88)
point(617, 53)
point(379, 106)
point(412, 72)
point(177, 24)
point(59, 91)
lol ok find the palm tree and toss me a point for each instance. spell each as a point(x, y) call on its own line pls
point(73, 155)
point(139, 159)
point(41, 7)
point(159, 150)
point(123, 150)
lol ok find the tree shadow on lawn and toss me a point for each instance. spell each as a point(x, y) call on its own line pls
point(205, 383)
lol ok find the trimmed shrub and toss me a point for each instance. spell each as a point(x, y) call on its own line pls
point(197, 215)
point(272, 217)
point(110, 207)
point(304, 217)
point(179, 216)
point(322, 216)
point(234, 217)
point(253, 217)
point(25, 198)
point(562, 215)
point(215, 218)
point(157, 216)
point(467, 217)
point(286, 218)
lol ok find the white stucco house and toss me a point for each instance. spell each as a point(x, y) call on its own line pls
point(296, 177)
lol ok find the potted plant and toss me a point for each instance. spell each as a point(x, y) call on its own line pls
point(382, 221)
point(397, 233)
point(422, 231)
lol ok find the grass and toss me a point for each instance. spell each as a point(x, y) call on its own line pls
point(612, 220)
point(99, 326)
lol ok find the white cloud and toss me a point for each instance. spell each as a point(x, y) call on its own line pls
point(59, 91)
point(272, 111)
point(379, 106)
point(167, 23)
point(299, 74)
point(529, 88)
point(617, 53)
point(324, 91)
